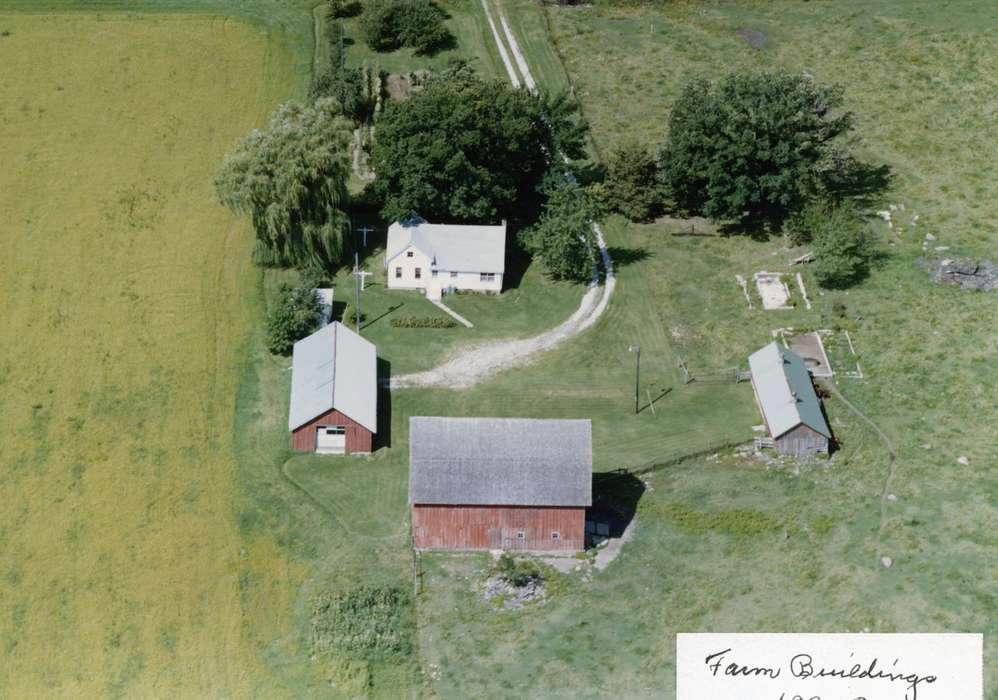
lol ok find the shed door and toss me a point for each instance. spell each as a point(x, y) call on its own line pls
point(331, 439)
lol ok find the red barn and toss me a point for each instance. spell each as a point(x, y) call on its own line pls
point(499, 483)
point(334, 392)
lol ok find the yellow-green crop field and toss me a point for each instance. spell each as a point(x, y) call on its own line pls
point(127, 295)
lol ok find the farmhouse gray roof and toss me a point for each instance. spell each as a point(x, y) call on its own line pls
point(454, 248)
point(334, 368)
point(785, 392)
point(500, 461)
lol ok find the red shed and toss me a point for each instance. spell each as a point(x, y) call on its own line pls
point(499, 483)
point(334, 392)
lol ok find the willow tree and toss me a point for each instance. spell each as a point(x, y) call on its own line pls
point(291, 178)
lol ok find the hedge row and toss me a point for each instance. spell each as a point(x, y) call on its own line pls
point(422, 322)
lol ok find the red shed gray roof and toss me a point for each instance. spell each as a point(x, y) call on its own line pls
point(334, 368)
point(500, 461)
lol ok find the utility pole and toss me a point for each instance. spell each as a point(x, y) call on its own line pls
point(356, 275)
point(365, 230)
point(636, 349)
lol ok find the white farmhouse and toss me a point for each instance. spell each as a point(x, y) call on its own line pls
point(439, 257)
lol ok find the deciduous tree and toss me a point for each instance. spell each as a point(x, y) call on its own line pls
point(290, 179)
point(464, 149)
point(750, 147)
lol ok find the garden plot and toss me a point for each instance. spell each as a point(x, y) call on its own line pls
point(774, 291)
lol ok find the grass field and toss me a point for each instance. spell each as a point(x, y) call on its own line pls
point(124, 318)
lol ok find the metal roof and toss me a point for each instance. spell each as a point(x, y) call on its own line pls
point(454, 248)
point(334, 368)
point(500, 461)
point(785, 392)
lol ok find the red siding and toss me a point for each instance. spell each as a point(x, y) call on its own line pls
point(359, 438)
point(496, 527)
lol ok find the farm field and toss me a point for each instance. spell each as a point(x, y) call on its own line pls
point(125, 290)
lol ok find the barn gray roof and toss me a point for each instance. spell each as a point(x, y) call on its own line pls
point(500, 461)
point(785, 392)
point(334, 368)
point(454, 248)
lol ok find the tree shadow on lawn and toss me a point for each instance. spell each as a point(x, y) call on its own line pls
point(615, 500)
point(627, 256)
point(384, 435)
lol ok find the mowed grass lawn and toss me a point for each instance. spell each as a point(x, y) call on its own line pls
point(127, 299)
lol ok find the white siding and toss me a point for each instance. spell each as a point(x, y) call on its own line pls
point(463, 280)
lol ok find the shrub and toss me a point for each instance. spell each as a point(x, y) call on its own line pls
point(563, 236)
point(349, 315)
point(631, 186)
point(358, 90)
point(517, 572)
point(422, 322)
point(392, 24)
point(843, 248)
point(340, 9)
point(292, 317)
point(374, 622)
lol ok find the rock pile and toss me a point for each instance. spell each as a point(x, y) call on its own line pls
point(968, 273)
point(512, 597)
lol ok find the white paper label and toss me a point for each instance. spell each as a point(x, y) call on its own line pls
point(829, 666)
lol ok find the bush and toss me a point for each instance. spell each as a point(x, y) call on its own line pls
point(349, 315)
point(631, 187)
point(358, 90)
point(374, 622)
point(843, 247)
point(293, 316)
point(563, 236)
point(517, 572)
point(340, 9)
point(422, 322)
point(392, 24)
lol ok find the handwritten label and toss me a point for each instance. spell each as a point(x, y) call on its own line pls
point(829, 666)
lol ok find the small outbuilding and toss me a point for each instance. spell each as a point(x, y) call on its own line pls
point(334, 392)
point(784, 392)
point(441, 257)
point(499, 483)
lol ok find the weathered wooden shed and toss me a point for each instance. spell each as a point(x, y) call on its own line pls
point(499, 483)
point(334, 392)
point(784, 392)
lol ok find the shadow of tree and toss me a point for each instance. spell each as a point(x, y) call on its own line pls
point(627, 256)
point(615, 500)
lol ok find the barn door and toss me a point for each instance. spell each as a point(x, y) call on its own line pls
point(495, 538)
point(331, 439)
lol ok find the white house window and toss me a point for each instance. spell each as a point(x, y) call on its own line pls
point(488, 277)
point(521, 535)
point(419, 273)
point(408, 254)
point(555, 535)
point(453, 275)
point(434, 273)
point(398, 273)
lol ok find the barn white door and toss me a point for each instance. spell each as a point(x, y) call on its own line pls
point(331, 439)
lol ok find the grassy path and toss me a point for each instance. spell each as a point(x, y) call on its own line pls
point(891, 462)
